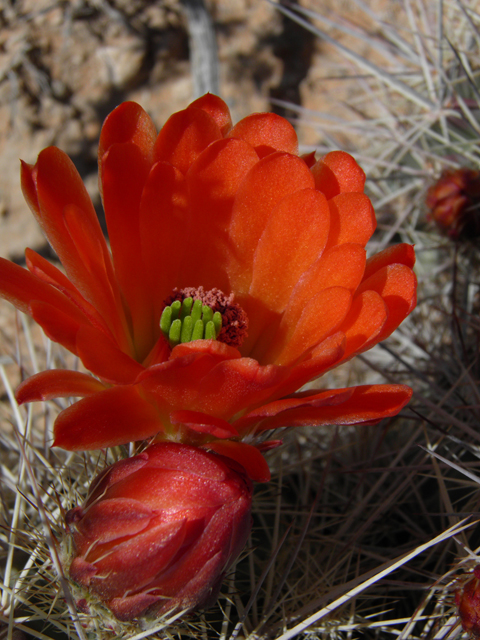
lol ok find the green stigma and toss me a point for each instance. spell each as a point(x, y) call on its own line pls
point(189, 320)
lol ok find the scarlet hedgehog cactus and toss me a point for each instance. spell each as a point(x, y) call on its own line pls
point(237, 274)
point(230, 216)
point(158, 531)
point(454, 203)
point(468, 602)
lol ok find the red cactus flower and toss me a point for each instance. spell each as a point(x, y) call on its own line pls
point(237, 273)
point(158, 531)
point(468, 603)
point(454, 202)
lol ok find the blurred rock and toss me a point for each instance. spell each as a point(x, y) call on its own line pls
point(65, 65)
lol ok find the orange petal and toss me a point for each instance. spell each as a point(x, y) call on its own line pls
point(299, 224)
point(340, 266)
point(397, 285)
point(94, 255)
point(175, 384)
point(266, 133)
point(321, 317)
point(262, 189)
point(352, 219)
point(203, 423)
point(262, 415)
point(219, 350)
point(58, 326)
point(365, 320)
point(184, 136)
point(210, 379)
point(233, 385)
point(21, 288)
point(125, 172)
point(103, 358)
point(396, 254)
point(57, 383)
point(323, 357)
point(163, 212)
point(336, 173)
point(106, 419)
point(249, 457)
point(213, 181)
point(363, 405)
point(217, 109)
point(368, 404)
point(59, 187)
point(127, 123)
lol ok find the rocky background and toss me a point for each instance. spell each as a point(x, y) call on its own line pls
point(65, 64)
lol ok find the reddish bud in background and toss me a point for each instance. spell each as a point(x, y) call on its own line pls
point(468, 602)
point(158, 531)
point(454, 203)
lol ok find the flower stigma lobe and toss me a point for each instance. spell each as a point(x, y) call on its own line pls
point(195, 314)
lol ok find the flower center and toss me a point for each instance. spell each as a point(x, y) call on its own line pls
point(195, 314)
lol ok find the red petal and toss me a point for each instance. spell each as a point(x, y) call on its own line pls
point(131, 607)
point(106, 419)
point(47, 272)
point(352, 219)
point(397, 285)
point(93, 253)
point(203, 423)
point(266, 133)
point(114, 518)
point(298, 401)
point(396, 254)
point(28, 178)
point(57, 325)
point(184, 136)
point(59, 187)
point(299, 224)
point(263, 188)
point(320, 318)
point(125, 171)
point(363, 405)
point(213, 181)
point(127, 123)
point(21, 288)
point(249, 457)
point(217, 109)
point(338, 173)
point(57, 383)
point(368, 404)
point(129, 570)
point(103, 358)
point(163, 212)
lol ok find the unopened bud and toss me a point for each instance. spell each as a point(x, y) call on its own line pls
point(158, 531)
point(454, 202)
point(468, 602)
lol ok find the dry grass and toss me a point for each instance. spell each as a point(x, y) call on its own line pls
point(363, 532)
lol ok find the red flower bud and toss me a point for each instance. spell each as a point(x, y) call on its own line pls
point(158, 531)
point(468, 602)
point(454, 202)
